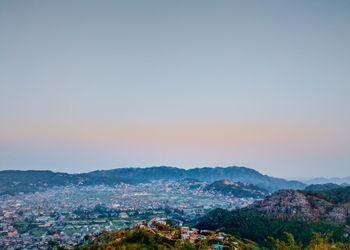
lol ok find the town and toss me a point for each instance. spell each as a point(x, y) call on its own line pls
point(65, 215)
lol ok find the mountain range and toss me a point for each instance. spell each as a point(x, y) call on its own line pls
point(326, 186)
point(14, 181)
point(234, 173)
point(322, 180)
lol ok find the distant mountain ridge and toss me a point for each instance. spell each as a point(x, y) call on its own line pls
point(234, 173)
point(335, 180)
point(319, 187)
point(14, 181)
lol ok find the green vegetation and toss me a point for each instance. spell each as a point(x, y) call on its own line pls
point(127, 239)
point(317, 242)
point(150, 239)
point(28, 227)
point(237, 189)
point(335, 196)
point(258, 223)
point(251, 224)
point(320, 187)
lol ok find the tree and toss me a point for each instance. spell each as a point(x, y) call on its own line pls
point(289, 245)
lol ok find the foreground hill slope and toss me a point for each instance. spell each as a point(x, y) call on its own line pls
point(12, 182)
point(163, 237)
point(166, 237)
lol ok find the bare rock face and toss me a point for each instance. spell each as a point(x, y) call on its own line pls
point(284, 203)
point(228, 182)
point(338, 214)
point(292, 204)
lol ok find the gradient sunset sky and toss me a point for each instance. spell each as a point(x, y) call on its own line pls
point(88, 85)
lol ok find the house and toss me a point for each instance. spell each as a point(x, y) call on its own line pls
point(185, 229)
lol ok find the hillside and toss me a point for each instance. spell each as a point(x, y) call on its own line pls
point(168, 238)
point(336, 180)
point(29, 181)
point(298, 212)
point(236, 189)
point(319, 187)
point(337, 196)
point(330, 205)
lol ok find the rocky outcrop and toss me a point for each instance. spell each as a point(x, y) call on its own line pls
point(300, 205)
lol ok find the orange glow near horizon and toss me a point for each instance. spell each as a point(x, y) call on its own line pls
point(213, 134)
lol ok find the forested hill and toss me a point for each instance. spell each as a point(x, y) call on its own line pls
point(12, 181)
point(236, 189)
point(298, 212)
point(329, 205)
point(319, 187)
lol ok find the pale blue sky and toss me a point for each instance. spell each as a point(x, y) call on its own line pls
point(90, 85)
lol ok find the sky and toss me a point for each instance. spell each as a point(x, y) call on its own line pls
point(88, 85)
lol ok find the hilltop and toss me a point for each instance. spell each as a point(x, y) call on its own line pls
point(158, 235)
point(236, 189)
